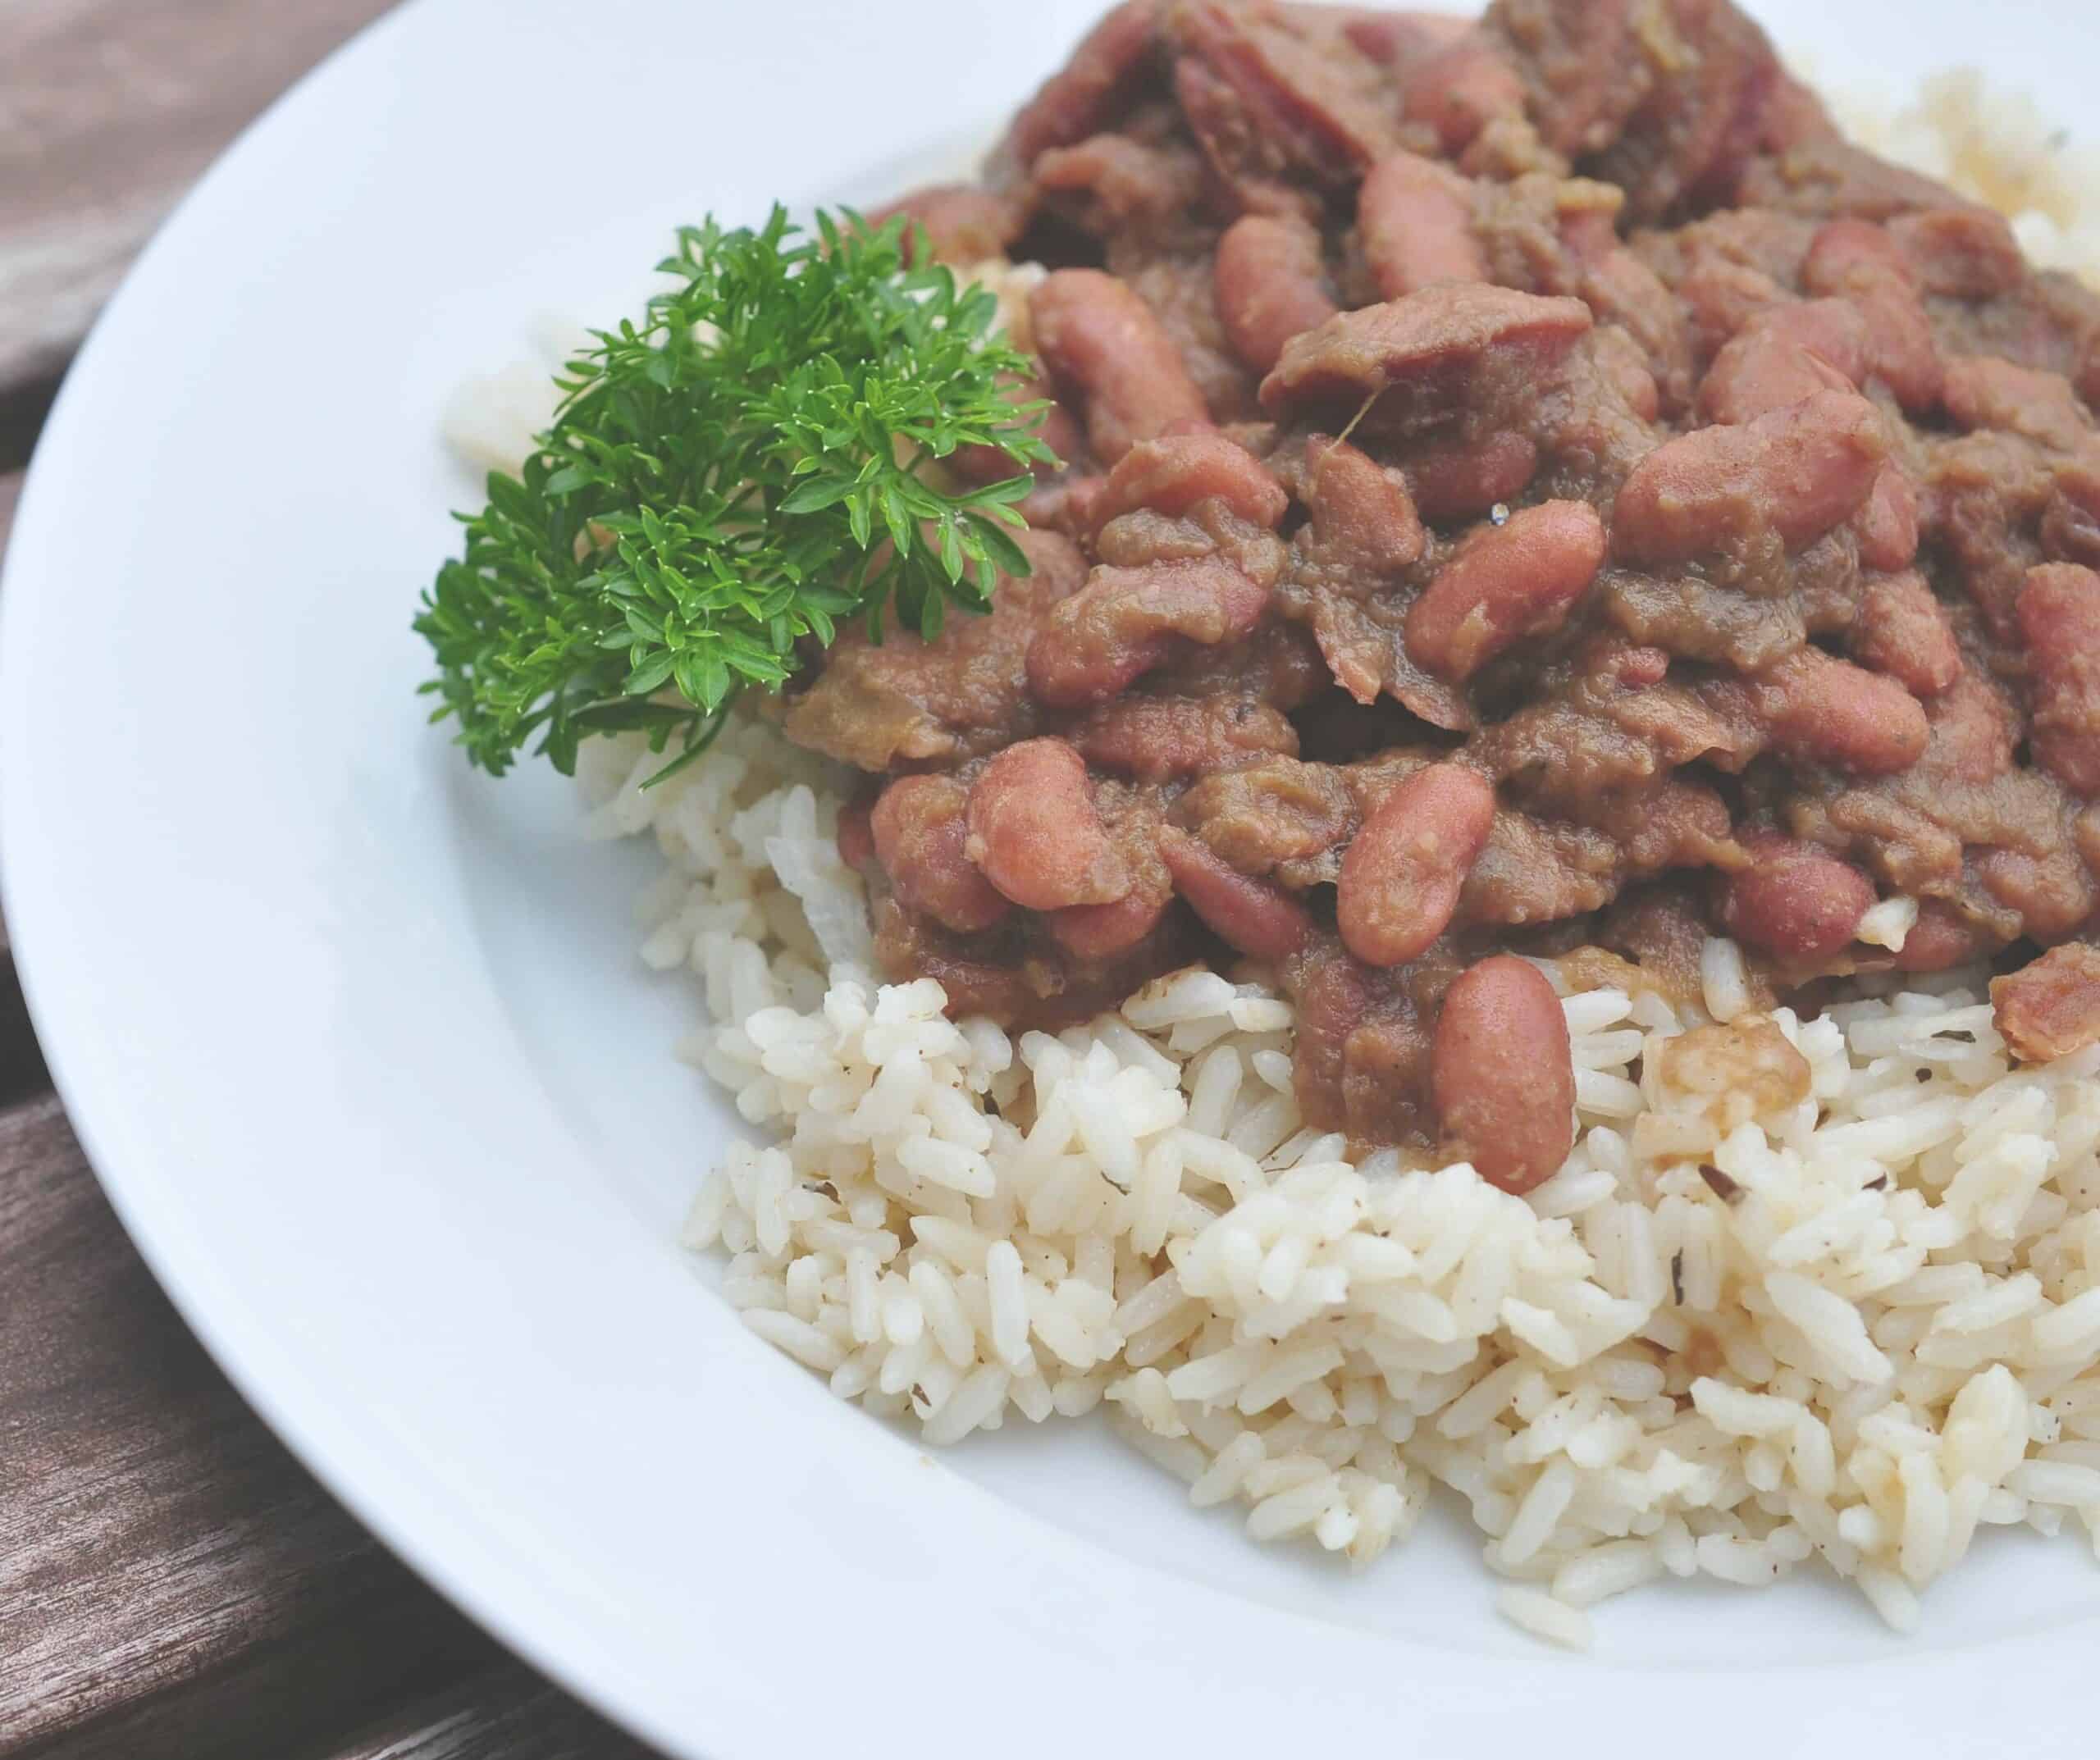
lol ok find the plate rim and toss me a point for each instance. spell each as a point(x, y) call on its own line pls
point(389, 1504)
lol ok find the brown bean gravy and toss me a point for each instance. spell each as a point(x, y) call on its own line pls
point(1525, 487)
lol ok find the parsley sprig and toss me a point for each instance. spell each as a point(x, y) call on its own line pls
point(729, 479)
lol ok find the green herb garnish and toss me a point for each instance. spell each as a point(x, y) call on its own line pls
point(743, 470)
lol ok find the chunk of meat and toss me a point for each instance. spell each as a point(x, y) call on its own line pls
point(1460, 88)
point(1503, 1073)
point(1173, 475)
point(1796, 900)
point(1903, 630)
point(905, 701)
point(1113, 186)
point(1505, 582)
point(1784, 356)
point(1667, 98)
point(1155, 739)
point(1431, 348)
point(1960, 253)
point(2052, 1008)
point(1620, 359)
point(1401, 878)
point(1035, 832)
point(1414, 220)
point(962, 224)
point(1100, 338)
point(2059, 610)
point(1124, 621)
point(1249, 915)
point(1794, 474)
point(1270, 284)
point(919, 832)
point(1269, 816)
point(2052, 892)
point(2070, 525)
point(1076, 100)
point(1310, 111)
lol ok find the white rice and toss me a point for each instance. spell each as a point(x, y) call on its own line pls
point(1885, 1335)
point(1995, 146)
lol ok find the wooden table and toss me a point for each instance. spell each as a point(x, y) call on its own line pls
point(172, 1584)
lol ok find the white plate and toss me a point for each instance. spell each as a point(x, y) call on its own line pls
point(360, 1048)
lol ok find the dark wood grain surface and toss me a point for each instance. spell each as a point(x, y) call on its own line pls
point(172, 1583)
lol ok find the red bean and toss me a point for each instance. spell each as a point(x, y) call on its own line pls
point(1432, 344)
point(1786, 355)
point(1173, 475)
point(1414, 220)
point(2059, 611)
point(1887, 525)
point(1625, 293)
point(1402, 876)
point(1464, 481)
point(1798, 902)
point(1506, 582)
point(1270, 285)
point(1724, 298)
point(1363, 514)
point(1940, 939)
point(1249, 915)
point(1830, 712)
point(1846, 250)
point(1035, 832)
point(1095, 334)
point(1124, 622)
point(856, 835)
point(1983, 391)
point(918, 828)
point(1795, 472)
point(1101, 932)
point(1502, 1073)
point(1858, 261)
point(1902, 631)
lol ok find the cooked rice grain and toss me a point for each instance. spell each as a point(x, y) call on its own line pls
point(1869, 1326)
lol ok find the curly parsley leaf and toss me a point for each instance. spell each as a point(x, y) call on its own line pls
point(737, 475)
